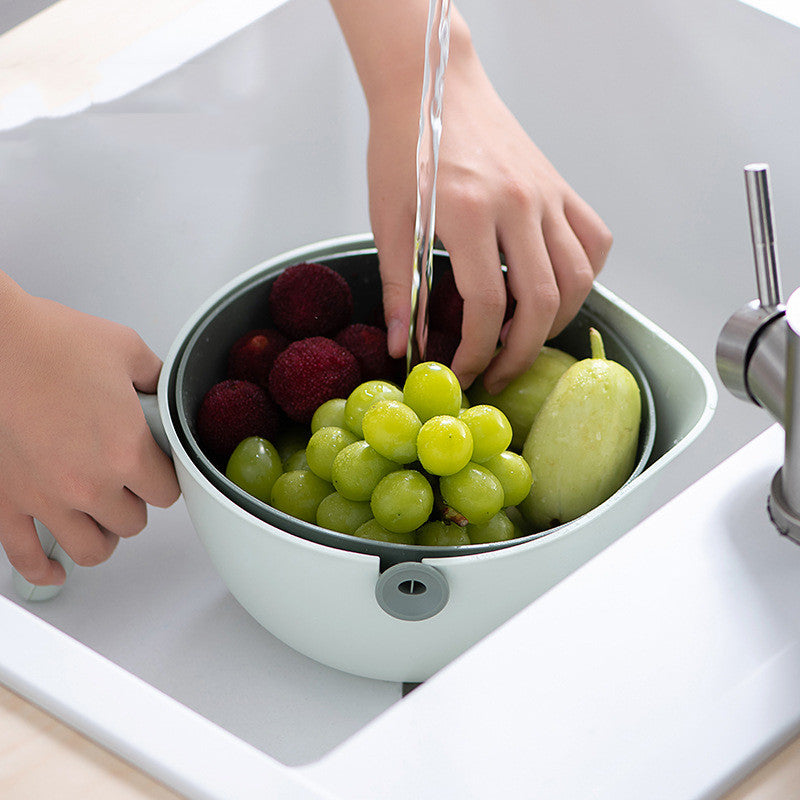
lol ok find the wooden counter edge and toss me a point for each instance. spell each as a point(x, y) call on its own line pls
point(40, 756)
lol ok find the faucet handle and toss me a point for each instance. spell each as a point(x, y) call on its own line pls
point(751, 327)
point(762, 232)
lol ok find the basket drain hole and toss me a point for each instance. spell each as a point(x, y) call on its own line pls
point(412, 587)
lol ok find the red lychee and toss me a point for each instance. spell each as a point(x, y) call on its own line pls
point(309, 372)
point(441, 346)
point(368, 345)
point(231, 411)
point(310, 300)
point(446, 307)
point(251, 357)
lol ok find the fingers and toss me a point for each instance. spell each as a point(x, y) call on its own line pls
point(571, 268)
point(121, 512)
point(153, 476)
point(551, 266)
point(83, 540)
point(479, 280)
point(396, 255)
point(534, 287)
point(592, 232)
point(144, 364)
point(24, 551)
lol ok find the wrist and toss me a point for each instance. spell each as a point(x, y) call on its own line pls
point(387, 43)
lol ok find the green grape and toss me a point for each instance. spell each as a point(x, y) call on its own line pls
point(299, 493)
point(362, 397)
point(372, 529)
point(357, 469)
point(337, 513)
point(324, 446)
point(464, 400)
point(491, 430)
point(296, 461)
point(444, 445)
point(432, 389)
point(291, 439)
point(498, 529)
point(255, 466)
point(521, 526)
point(442, 534)
point(391, 428)
point(402, 501)
point(329, 415)
point(473, 492)
point(514, 474)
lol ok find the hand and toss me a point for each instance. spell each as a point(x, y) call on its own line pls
point(496, 193)
point(75, 450)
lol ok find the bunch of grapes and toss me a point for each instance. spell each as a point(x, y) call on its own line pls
point(411, 466)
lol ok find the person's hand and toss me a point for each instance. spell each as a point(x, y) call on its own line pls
point(75, 450)
point(496, 193)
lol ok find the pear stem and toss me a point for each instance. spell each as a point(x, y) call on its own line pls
point(596, 343)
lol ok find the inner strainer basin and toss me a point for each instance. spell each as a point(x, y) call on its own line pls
point(202, 361)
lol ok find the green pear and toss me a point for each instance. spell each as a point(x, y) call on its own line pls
point(582, 445)
point(522, 398)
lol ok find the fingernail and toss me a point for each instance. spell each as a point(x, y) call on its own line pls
point(466, 380)
point(492, 385)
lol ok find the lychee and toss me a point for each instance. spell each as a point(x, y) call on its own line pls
point(310, 299)
point(441, 346)
point(309, 372)
point(231, 411)
point(368, 345)
point(446, 307)
point(251, 357)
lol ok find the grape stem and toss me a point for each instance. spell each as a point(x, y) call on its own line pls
point(451, 515)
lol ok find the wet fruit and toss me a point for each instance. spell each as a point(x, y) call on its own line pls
point(582, 445)
point(474, 492)
point(402, 501)
point(254, 466)
point(251, 357)
point(444, 445)
point(299, 494)
point(432, 389)
point(368, 344)
point(309, 372)
point(231, 411)
point(522, 398)
point(391, 428)
point(310, 300)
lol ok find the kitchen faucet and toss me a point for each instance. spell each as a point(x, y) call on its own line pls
point(758, 352)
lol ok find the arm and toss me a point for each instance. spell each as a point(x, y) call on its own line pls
point(75, 450)
point(496, 193)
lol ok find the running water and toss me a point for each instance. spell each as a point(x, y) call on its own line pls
point(437, 44)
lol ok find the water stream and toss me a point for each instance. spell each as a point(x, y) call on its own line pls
point(437, 45)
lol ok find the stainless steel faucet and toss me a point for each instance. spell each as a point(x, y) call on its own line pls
point(758, 352)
